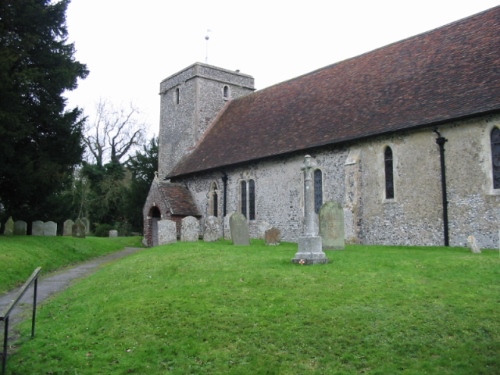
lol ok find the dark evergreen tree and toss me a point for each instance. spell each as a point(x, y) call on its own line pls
point(40, 141)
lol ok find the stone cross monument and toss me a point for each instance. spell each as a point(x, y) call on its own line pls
point(310, 244)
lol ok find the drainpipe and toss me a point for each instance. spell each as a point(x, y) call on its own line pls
point(441, 141)
point(224, 206)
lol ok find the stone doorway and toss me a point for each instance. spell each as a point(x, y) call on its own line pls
point(155, 216)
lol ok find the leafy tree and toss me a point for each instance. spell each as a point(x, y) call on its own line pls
point(40, 142)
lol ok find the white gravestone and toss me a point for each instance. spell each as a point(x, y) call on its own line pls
point(190, 229)
point(212, 229)
point(167, 232)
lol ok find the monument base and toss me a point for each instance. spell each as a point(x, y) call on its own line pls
point(310, 251)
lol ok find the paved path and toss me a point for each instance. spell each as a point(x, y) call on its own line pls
point(57, 281)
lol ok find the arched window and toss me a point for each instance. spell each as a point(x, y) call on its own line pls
point(389, 173)
point(495, 157)
point(251, 199)
point(318, 190)
point(247, 199)
point(243, 191)
point(177, 96)
point(225, 92)
point(214, 200)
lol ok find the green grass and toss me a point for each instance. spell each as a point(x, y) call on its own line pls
point(218, 309)
point(20, 255)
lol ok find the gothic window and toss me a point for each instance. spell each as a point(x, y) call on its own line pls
point(389, 173)
point(247, 199)
point(251, 199)
point(177, 95)
point(225, 92)
point(243, 191)
point(214, 200)
point(495, 157)
point(318, 190)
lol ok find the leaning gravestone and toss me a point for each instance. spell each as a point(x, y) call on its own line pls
point(9, 227)
point(68, 227)
point(113, 233)
point(189, 229)
point(212, 229)
point(37, 228)
point(167, 232)
point(78, 229)
point(272, 236)
point(239, 229)
point(331, 226)
point(20, 228)
point(50, 228)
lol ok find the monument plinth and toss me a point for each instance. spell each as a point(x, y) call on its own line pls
point(310, 244)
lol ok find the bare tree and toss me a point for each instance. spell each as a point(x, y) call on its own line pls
point(114, 133)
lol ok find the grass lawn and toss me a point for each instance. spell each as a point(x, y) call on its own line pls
point(20, 255)
point(213, 308)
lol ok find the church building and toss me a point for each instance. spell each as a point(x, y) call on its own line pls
point(406, 138)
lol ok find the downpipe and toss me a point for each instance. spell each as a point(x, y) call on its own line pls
point(440, 142)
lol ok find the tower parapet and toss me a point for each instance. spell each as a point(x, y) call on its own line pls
point(190, 101)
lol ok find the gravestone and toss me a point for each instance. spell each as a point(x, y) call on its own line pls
point(167, 232)
point(68, 227)
point(473, 245)
point(262, 227)
point(9, 227)
point(78, 230)
point(272, 236)
point(86, 222)
point(310, 244)
point(37, 228)
point(20, 228)
point(239, 229)
point(113, 233)
point(331, 226)
point(190, 229)
point(212, 229)
point(50, 228)
point(226, 229)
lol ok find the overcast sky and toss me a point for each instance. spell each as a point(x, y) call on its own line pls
point(130, 46)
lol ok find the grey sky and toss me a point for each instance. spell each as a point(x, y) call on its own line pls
point(130, 46)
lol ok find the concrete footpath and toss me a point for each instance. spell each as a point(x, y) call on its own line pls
point(48, 284)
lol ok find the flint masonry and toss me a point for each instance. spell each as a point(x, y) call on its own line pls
point(370, 122)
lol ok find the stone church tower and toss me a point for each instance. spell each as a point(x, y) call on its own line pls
point(190, 100)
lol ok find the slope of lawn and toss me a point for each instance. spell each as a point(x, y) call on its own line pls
point(21, 255)
point(213, 308)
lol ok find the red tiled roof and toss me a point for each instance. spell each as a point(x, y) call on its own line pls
point(179, 199)
point(448, 73)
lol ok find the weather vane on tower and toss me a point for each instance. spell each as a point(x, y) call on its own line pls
point(207, 37)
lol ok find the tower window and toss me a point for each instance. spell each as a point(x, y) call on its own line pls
point(225, 92)
point(177, 96)
point(389, 173)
